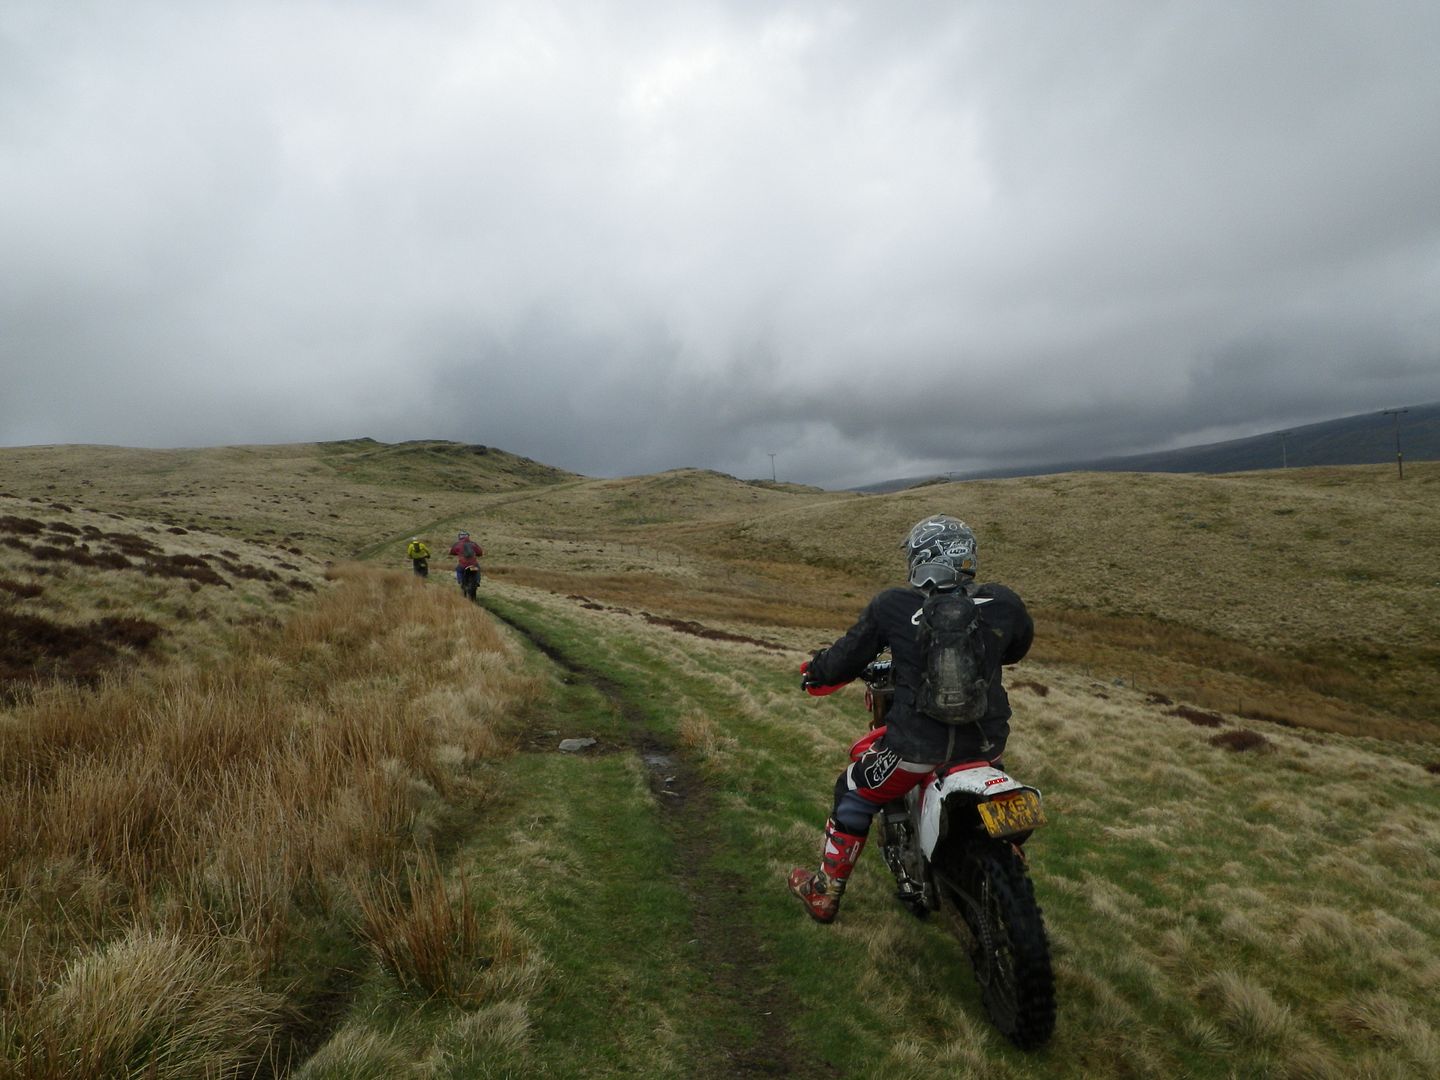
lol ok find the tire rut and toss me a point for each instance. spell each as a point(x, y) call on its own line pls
point(732, 954)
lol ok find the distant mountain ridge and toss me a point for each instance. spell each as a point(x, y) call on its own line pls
point(1362, 439)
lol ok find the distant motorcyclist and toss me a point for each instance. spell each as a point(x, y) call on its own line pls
point(468, 553)
point(940, 557)
point(419, 556)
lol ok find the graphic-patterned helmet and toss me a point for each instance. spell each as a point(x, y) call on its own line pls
point(940, 553)
point(463, 536)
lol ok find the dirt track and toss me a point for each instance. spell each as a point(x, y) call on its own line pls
point(733, 957)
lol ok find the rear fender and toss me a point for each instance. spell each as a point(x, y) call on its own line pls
point(953, 796)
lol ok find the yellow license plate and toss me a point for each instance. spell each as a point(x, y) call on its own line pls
point(1012, 814)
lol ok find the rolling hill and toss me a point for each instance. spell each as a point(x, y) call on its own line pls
point(1362, 439)
point(1299, 593)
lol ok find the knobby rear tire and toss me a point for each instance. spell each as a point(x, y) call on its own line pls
point(1011, 953)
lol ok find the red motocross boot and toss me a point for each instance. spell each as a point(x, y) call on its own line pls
point(820, 890)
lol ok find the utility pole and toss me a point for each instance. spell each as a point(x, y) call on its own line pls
point(1399, 458)
point(772, 465)
point(1284, 450)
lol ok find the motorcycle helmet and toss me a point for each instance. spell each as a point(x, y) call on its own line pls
point(463, 536)
point(940, 553)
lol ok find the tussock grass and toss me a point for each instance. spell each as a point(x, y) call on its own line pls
point(149, 1004)
point(364, 1054)
point(1246, 1009)
point(178, 844)
point(430, 938)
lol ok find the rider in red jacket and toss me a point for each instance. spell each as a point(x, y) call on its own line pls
point(468, 553)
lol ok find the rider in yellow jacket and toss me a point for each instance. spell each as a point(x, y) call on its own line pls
point(419, 556)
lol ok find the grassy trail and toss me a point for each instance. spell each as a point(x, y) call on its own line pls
point(729, 995)
point(666, 883)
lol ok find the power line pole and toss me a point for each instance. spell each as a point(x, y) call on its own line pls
point(1399, 457)
point(772, 465)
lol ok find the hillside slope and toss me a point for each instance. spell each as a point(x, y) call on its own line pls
point(1303, 594)
point(1367, 438)
point(112, 554)
point(1305, 580)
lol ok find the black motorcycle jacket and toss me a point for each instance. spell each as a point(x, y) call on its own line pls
point(891, 620)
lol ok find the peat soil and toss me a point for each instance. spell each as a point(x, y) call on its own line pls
point(732, 955)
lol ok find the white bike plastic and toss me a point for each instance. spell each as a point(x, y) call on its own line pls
point(979, 782)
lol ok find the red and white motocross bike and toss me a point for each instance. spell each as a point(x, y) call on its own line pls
point(953, 844)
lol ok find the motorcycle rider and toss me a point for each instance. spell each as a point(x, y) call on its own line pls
point(468, 553)
point(419, 556)
point(940, 556)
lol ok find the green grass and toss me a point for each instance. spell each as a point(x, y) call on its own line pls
point(1173, 879)
point(755, 794)
point(600, 879)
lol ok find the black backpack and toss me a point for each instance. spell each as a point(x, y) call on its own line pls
point(954, 673)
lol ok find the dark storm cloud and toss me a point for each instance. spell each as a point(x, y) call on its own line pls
point(872, 239)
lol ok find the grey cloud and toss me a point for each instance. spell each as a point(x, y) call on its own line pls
point(875, 239)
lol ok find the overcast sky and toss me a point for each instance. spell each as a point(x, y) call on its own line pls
point(876, 239)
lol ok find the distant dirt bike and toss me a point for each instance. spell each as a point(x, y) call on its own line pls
point(953, 845)
point(470, 581)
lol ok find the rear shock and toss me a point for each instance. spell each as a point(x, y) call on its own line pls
point(896, 837)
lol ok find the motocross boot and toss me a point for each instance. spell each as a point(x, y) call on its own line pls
point(820, 890)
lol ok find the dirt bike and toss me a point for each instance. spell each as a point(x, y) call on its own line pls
point(470, 581)
point(953, 844)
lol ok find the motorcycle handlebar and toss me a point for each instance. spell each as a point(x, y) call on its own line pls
point(877, 676)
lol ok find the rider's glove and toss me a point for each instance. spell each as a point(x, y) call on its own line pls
point(810, 686)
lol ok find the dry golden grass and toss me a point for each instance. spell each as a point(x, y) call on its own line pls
point(190, 825)
point(364, 1054)
point(151, 1004)
point(1303, 566)
point(1305, 595)
point(330, 499)
point(431, 939)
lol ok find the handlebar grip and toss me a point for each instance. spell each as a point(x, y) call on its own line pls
point(814, 689)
